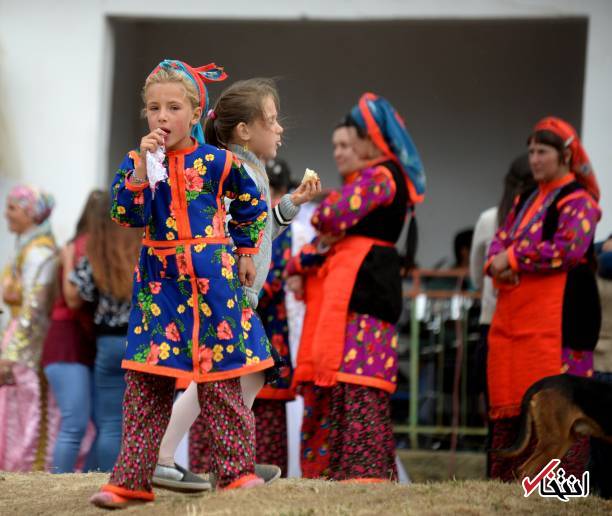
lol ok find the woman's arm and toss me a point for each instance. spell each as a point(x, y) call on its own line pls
point(341, 210)
point(248, 209)
point(578, 217)
point(70, 290)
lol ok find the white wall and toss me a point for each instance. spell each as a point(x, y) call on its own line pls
point(54, 80)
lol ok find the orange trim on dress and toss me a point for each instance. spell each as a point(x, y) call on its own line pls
point(226, 170)
point(366, 381)
point(271, 393)
point(134, 155)
point(247, 250)
point(181, 384)
point(182, 217)
point(578, 195)
point(185, 241)
point(339, 274)
point(136, 188)
point(195, 332)
point(208, 377)
point(128, 493)
point(313, 298)
point(544, 190)
point(512, 261)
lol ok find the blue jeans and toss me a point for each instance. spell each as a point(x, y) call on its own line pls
point(109, 386)
point(71, 386)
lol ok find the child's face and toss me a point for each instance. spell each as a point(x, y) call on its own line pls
point(168, 108)
point(265, 134)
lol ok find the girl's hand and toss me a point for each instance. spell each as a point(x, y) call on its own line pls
point(306, 192)
point(499, 264)
point(508, 276)
point(150, 143)
point(295, 284)
point(246, 270)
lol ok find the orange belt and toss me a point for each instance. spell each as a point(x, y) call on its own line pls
point(188, 241)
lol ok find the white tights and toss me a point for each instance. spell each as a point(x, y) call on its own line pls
point(187, 409)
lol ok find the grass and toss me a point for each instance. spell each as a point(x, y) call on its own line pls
point(44, 494)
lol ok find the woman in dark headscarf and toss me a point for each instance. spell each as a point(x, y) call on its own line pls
point(347, 362)
point(27, 290)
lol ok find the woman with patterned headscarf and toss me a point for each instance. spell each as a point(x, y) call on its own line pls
point(347, 361)
point(548, 312)
point(27, 291)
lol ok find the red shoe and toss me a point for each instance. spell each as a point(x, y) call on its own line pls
point(108, 500)
point(245, 482)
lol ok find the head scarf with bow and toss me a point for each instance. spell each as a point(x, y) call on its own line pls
point(579, 161)
point(387, 130)
point(199, 76)
point(36, 203)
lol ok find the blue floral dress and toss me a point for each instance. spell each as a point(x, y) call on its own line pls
point(190, 318)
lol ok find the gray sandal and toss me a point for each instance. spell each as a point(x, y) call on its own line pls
point(180, 479)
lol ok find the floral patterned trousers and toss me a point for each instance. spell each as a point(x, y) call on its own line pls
point(271, 433)
point(147, 406)
point(271, 429)
point(347, 433)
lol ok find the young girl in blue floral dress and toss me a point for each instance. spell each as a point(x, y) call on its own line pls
point(190, 318)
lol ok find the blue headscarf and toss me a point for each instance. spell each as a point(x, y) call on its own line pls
point(388, 132)
point(207, 73)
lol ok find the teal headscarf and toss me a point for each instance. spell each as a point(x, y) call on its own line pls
point(384, 125)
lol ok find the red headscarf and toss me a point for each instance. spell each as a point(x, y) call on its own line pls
point(579, 162)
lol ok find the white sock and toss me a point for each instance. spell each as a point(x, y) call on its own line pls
point(251, 384)
point(187, 409)
point(184, 412)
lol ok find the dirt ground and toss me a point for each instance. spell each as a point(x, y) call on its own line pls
point(41, 493)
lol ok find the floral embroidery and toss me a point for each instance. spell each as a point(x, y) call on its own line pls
point(170, 280)
point(224, 332)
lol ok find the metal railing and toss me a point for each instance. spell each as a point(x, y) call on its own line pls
point(460, 301)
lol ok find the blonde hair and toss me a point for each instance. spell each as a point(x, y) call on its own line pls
point(241, 102)
point(164, 76)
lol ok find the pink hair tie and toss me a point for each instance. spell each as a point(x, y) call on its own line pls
point(211, 114)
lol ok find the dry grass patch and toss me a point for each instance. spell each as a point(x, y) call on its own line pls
point(40, 493)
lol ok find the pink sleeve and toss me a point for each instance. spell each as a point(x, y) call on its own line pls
point(578, 216)
point(344, 209)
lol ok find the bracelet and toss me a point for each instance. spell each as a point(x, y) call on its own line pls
point(136, 180)
point(243, 255)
